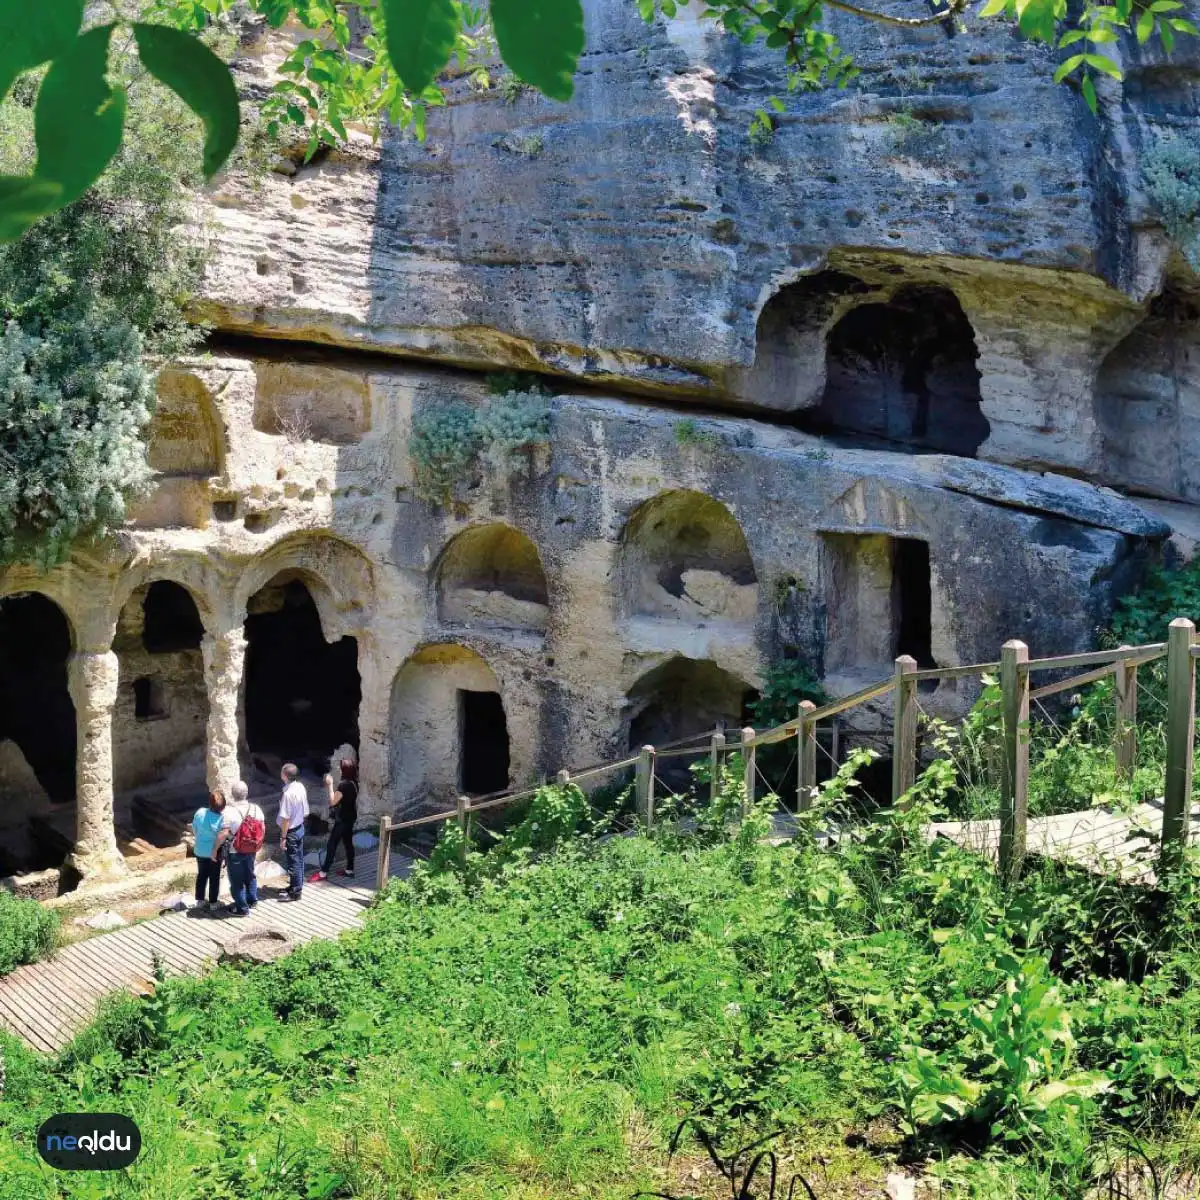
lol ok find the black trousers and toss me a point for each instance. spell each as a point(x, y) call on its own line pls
point(342, 831)
point(208, 873)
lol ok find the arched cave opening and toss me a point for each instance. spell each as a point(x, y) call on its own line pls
point(37, 728)
point(491, 577)
point(905, 371)
point(448, 732)
point(162, 703)
point(684, 556)
point(681, 699)
point(36, 711)
point(302, 693)
point(1147, 397)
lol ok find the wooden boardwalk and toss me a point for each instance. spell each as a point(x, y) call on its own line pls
point(47, 1003)
point(1098, 839)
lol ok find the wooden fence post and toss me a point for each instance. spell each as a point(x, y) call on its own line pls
point(385, 852)
point(645, 786)
point(1181, 724)
point(904, 728)
point(806, 760)
point(464, 826)
point(749, 755)
point(1014, 775)
point(716, 757)
point(1127, 705)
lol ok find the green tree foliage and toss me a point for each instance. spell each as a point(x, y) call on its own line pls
point(85, 296)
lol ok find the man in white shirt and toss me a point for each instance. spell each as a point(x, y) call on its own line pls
point(293, 808)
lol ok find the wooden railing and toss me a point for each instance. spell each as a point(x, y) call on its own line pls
point(1015, 669)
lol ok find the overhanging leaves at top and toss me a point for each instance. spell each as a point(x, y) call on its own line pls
point(79, 117)
point(33, 34)
point(541, 40)
point(200, 79)
point(420, 38)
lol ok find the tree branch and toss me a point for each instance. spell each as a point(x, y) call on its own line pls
point(952, 10)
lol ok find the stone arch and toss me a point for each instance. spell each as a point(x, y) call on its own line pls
point(161, 711)
point(1148, 401)
point(338, 576)
point(683, 697)
point(37, 725)
point(683, 556)
point(194, 576)
point(448, 727)
point(301, 689)
point(491, 576)
point(186, 435)
point(905, 371)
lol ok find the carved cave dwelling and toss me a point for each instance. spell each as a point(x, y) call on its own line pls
point(842, 396)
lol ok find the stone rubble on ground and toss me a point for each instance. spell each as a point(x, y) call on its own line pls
point(176, 902)
point(102, 920)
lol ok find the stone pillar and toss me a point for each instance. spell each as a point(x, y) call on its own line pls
point(224, 657)
point(374, 715)
point(93, 685)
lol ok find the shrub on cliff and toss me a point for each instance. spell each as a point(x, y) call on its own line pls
point(85, 295)
point(1171, 169)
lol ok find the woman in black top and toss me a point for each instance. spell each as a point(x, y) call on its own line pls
point(343, 809)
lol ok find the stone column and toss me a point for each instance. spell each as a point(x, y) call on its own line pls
point(93, 685)
point(374, 714)
point(224, 657)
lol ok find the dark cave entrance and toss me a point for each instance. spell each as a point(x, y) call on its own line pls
point(301, 693)
point(483, 743)
point(905, 371)
point(912, 601)
point(36, 711)
point(170, 620)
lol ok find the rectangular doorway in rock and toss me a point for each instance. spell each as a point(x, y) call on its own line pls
point(912, 603)
point(482, 743)
point(878, 600)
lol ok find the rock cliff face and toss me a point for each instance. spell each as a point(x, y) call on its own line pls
point(863, 390)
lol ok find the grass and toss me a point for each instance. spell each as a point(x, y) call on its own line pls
point(538, 1027)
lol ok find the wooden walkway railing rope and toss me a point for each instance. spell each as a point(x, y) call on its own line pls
point(1015, 669)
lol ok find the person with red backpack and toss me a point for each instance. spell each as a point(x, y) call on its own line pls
point(244, 828)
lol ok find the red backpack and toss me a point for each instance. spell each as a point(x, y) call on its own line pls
point(249, 836)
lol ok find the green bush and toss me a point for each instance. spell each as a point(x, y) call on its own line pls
point(447, 439)
point(27, 931)
point(1171, 170)
point(442, 445)
point(85, 296)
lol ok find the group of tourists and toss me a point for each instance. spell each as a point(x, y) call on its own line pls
point(230, 832)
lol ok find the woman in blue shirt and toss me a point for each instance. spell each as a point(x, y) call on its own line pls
point(206, 825)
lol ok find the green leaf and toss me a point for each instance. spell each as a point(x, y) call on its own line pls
point(540, 41)
point(1089, 93)
point(79, 118)
point(993, 8)
point(24, 200)
point(420, 38)
point(1103, 64)
point(200, 79)
point(1067, 67)
point(30, 37)
point(1145, 26)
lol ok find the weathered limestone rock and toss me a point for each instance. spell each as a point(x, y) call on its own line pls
point(224, 659)
point(93, 683)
